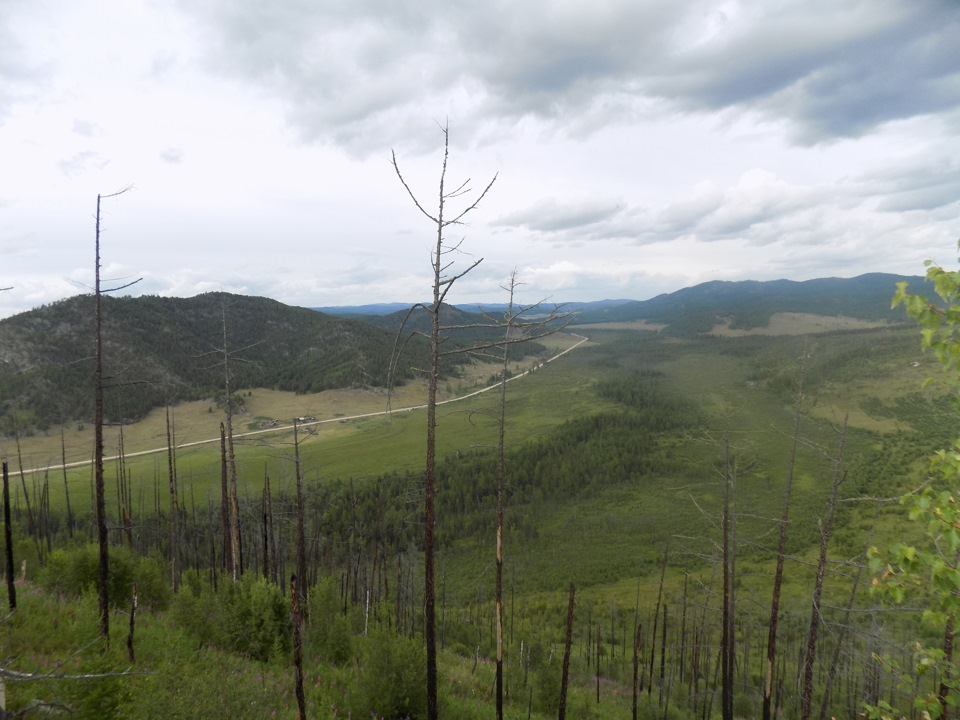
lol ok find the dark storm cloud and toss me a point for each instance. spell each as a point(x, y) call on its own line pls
point(830, 69)
point(371, 71)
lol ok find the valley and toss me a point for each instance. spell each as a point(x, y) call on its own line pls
point(618, 451)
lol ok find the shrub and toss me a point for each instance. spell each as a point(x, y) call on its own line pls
point(392, 682)
point(75, 571)
point(256, 618)
point(329, 630)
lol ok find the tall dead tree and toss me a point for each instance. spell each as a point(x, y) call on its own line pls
point(174, 506)
point(565, 669)
point(443, 281)
point(102, 539)
point(781, 554)
point(8, 541)
point(66, 486)
point(727, 636)
point(231, 457)
point(806, 695)
point(509, 319)
point(301, 539)
point(232, 550)
point(227, 560)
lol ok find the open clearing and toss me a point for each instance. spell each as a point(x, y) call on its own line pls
point(787, 323)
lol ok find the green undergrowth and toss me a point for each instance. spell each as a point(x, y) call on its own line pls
point(354, 666)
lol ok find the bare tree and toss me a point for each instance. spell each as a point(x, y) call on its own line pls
point(806, 697)
point(102, 540)
point(565, 670)
point(509, 318)
point(301, 536)
point(781, 554)
point(443, 281)
point(174, 506)
point(727, 641)
point(8, 541)
point(232, 549)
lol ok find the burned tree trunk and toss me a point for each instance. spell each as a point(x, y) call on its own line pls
point(562, 712)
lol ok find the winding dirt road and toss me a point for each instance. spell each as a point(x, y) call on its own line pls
point(280, 428)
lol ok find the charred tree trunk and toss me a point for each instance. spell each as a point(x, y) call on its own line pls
point(8, 541)
point(237, 568)
point(174, 509)
point(301, 540)
point(297, 647)
point(638, 640)
point(656, 617)
point(227, 561)
point(102, 540)
point(806, 696)
point(562, 712)
point(781, 554)
point(66, 486)
point(501, 433)
point(727, 638)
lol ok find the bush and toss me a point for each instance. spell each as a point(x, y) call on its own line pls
point(328, 630)
point(249, 617)
point(73, 572)
point(257, 620)
point(393, 678)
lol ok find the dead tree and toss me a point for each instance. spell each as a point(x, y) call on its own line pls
point(301, 539)
point(66, 486)
point(8, 541)
point(227, 562)
point(727, 635)
point(174, 506)
point(501, 432)
point(224, 355)
point(295, 593)
point(565, 670)
point(102, 539)
point(442, 283)
point(781, 554)
point(806, 696)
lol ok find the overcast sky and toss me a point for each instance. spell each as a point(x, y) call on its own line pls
point(642, 145)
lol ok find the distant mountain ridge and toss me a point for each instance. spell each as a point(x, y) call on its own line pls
point(745, 304)
point(750, 304)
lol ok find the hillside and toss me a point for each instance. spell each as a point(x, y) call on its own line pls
point(159, 350)
point(750, 304)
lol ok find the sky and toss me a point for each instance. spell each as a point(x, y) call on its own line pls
point(638, 146)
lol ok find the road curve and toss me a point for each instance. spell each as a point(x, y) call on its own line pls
point(279, 428)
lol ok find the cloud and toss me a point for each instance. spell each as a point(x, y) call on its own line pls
point(85, 128)
point(21, 77)
point(81, 162)
point(172, 155)
point(918, 185)
point(549, 215)
point(365, 74)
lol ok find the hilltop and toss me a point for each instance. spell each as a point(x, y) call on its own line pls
point(159, 350)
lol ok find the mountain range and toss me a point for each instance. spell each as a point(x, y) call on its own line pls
point(159, 350)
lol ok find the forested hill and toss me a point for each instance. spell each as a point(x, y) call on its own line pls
point(158, 349)
point(464, 329)
point(749, 304)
